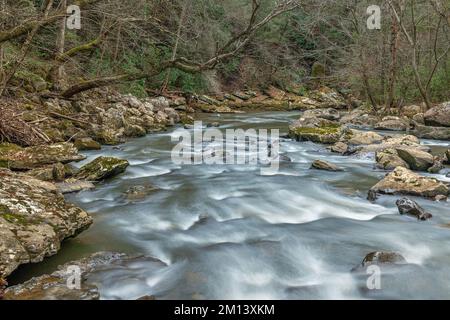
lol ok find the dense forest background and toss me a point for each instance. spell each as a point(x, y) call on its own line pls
point(227, 45)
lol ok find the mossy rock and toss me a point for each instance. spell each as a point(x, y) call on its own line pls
point(87, 144)
point(102, 168)
point(16, 158)
point(326, 134)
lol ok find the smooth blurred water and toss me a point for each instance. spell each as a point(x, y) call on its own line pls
point(227, 232)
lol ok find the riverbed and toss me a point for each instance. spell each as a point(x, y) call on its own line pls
point(228, 232)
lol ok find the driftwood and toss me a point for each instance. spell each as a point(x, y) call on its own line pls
point(14, 130)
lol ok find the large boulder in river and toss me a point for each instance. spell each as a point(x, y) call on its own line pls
point(393, 124)
point(411, 208)
point(102, 168)
point(428, 132)
point(324, 165)
point(404, 181)
point(327, 114)
point(315, 130)
point(388, 159)
point(17, 158)
point(357, 138)
point(438, 116)
point(417, 159)
point(34, 220)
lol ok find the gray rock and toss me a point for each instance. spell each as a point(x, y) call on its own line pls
point(54, 286)
point(428, 132)
point(438, 116)
point(409, 207)
point(34, 220)
point(16, 158)
point(102, 168)
point(393, 124)
point(74, 185)
point(416, 159)
point(404, 181)
point(324, 165)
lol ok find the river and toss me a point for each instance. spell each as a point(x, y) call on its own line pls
point(228, 232)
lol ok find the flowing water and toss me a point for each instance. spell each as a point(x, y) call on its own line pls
point(228, 232)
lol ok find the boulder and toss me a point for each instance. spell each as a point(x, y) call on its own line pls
point(418, 118)
point(383, 258)
point(54, 172)
point(102, 168)
point(73, 185)
point(411, 111)
point(315, 130)
point(17, 158)
point(438, 165)
point(393, 124)
point(404, 181)
point(428, 132)
point(133, 131)
point(360, 118)
point(447, 157)
point(416, 159)
point(388, 159)
point(327, 114)
point(324, 165)
point(34, 220)
point(394, 142)
point(357, 138)
point(339, 147)
point(54, 286)
point(87, 144)
point(438, 116)
point(411, 208)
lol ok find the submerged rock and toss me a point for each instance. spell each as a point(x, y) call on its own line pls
point(382, 258)
point(404, 181)
point(34, 220)
point(140, 192)
point(411, 208)
point(438, 116)
point(17, 158)
point(102, 168)
point(324, 165)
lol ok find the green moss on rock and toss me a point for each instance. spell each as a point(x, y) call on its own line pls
point(102, 168)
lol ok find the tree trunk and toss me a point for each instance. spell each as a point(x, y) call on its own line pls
point(177, 41)
point(393, 66)
point(57, 72)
